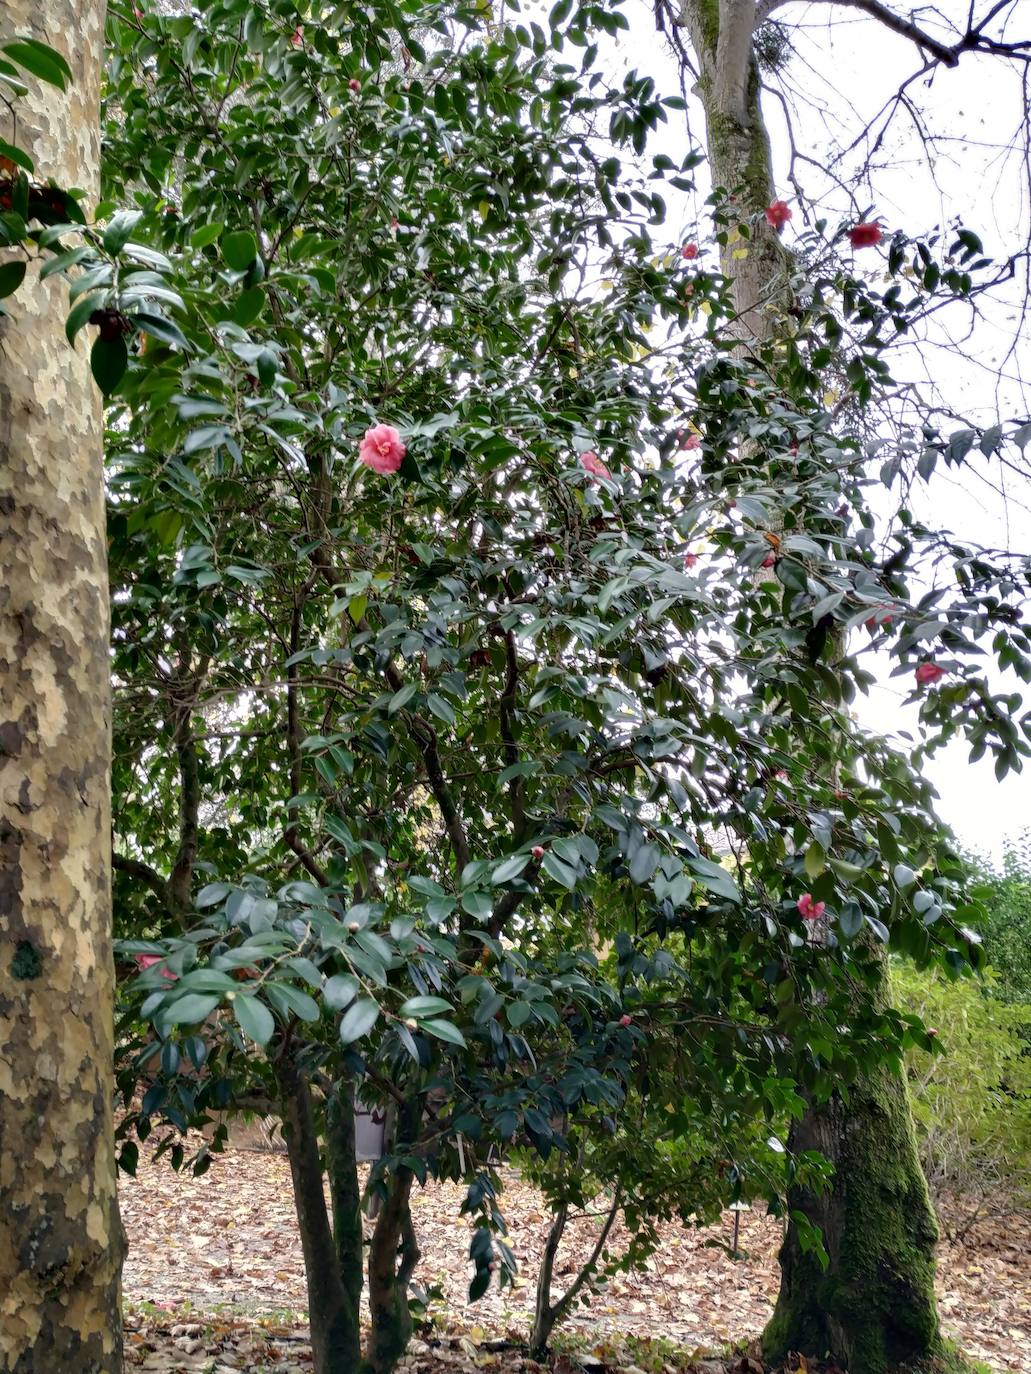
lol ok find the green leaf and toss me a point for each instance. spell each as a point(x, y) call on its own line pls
point(212, 894)
point(160, 328)
point(340, 991)
point(359, 1020)
point(253, 1018)
point(288, 1000)
point(401, 697)
point(561, 872)
point(63, 261)
point(815, 860)
point(239, 249)
point(510, 868)
point(119, 229)
point(444, 1030)
point(424, 1006)
point(12, 275)
point(249, 306)
point(904, 876)
point(189, 1009)
point(41, 60)
point(79, 315)
point(205, 235)
point(441, 708)
point(16, 155)
point(108, 360)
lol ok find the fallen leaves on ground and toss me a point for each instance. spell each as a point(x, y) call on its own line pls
point(209, 1257)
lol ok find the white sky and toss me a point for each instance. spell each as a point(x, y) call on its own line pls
point(976, 110)
point(841, 73)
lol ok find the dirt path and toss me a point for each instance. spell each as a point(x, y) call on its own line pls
point(226, 1243)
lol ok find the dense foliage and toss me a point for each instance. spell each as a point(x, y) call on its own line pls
point(972, 1097)
point(493, 764)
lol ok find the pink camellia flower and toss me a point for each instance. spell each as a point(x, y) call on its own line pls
point(927, 673)
point(537, 851)
point(866, 235)
point(810, 910)
point(690, 560)
point(689, 251)
point(768, 561)
point(881, 618)
point(394, 221)
point(297, 37)
point(146, 961)
point(354, 84)
point(590, 462)
point(778, 214)
point(691, 442)
point(382, 449)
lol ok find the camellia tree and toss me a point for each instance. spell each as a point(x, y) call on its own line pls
point(439, 487)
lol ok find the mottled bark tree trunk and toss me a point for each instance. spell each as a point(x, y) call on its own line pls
point(60, 1237)
point(873, 1310)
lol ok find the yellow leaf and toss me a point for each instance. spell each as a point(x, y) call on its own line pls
point(705, 308)
point(740, 253)
point(484, 208)
point(606, 285)
point(830, 398)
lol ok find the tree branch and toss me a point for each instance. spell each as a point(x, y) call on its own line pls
point(143, 873)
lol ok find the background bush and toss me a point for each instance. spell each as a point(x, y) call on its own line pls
point(971, 1100)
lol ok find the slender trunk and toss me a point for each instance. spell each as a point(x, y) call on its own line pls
point(345, 1192)
point(393, 1255)
point(548, 1316)
point(332, 1313)
point(61, 1241)
point(874, 1308)
point(544, 1314)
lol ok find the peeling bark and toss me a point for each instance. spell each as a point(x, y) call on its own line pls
point(61, 1241)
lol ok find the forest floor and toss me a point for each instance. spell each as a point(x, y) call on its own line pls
point(214, 1284)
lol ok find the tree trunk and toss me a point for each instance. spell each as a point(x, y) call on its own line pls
point(874, 1308)
point(345, 1192)
point(332, 1305)
point(545, 1315)
point(61, 1242)
point(740, 161)
point(393, 1255)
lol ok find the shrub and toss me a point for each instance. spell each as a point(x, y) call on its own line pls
point(971, 1099)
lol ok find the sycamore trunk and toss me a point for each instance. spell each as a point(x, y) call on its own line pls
point(60, 1236)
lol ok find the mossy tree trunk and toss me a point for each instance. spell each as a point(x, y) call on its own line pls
point(61, 1241)
point(873, 1309)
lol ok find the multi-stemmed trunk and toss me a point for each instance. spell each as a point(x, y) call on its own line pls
point(61, 1240)
point(873, 1309)
point(320, 1144)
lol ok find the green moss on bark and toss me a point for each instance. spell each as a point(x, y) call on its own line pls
point(873, 1308)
